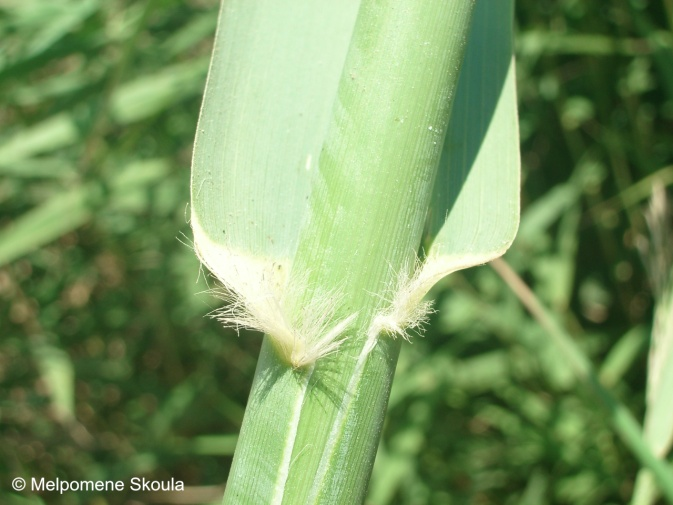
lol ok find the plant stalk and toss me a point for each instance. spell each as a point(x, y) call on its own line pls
point(310, 435)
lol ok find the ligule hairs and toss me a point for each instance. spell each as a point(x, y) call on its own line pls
point(406, 310)
point(258, 295)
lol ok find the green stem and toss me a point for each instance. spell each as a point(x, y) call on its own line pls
point(365, 220)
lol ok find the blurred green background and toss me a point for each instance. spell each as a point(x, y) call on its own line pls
point(110, 369)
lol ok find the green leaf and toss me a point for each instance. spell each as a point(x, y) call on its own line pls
point(48, 24)
point(214, 445)
point(58, 373)
point(659, 415)
point(58, 215)
point(44, 167)
point(53, 133)
point(70, 209)
point(151, 94)
point(268, 97)
point(658, 423)
point(475, 211)
point(623, 355)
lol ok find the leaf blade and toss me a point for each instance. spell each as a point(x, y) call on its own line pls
point(265, 83)
point(475, 211)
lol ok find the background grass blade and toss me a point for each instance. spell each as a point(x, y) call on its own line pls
point(71, 209)
point(623, 421)
point(657, 251)
point(52, 133)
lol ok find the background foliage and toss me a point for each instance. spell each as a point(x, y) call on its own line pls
point(109, 369)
